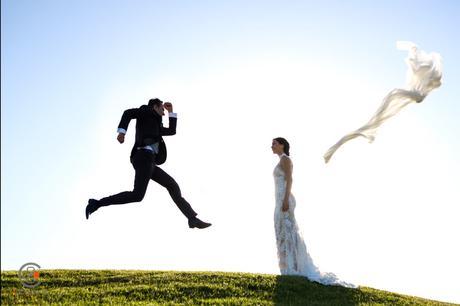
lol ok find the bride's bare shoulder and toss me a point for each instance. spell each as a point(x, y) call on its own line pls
point(286, 160)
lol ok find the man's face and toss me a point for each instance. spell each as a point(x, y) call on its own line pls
point(159, 109)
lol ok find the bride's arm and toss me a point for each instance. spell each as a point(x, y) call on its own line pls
point(286, 165)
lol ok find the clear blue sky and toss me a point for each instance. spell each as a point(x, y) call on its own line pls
point(238, 73)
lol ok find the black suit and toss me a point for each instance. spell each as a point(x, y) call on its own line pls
point(149, 130)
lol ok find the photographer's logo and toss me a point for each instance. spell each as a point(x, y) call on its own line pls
point(29, 275)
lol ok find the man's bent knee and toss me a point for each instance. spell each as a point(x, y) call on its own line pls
point(138, 196)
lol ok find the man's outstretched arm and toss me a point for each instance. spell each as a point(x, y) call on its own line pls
point(124, 122)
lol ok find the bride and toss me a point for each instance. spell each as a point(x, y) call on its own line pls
point(292, 252)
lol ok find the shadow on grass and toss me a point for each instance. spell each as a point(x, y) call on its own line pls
point(297, 290)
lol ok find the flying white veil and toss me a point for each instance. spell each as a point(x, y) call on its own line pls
point(424, 75)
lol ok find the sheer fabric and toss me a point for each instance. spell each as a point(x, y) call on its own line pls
point(423, 75)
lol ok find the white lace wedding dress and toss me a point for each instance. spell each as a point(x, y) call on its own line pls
point(292, 252)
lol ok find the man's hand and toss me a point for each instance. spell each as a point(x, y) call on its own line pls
point(121, 137)
point(168, 106)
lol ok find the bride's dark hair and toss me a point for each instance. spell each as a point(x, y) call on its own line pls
point(285, 143)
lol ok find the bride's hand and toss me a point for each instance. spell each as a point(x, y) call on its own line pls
point(285, 205)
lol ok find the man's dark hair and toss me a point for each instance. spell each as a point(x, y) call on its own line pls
point(155, 101)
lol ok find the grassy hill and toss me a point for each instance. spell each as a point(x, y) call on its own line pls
point(127, 287)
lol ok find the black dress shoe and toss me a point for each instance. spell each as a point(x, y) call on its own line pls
point(92, 206)
point(195, 222)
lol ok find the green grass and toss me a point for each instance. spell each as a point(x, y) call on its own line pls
point(127, 287)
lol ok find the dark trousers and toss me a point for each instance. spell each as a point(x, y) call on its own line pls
point(143, 163)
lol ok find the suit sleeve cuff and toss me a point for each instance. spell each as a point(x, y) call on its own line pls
point(172, 115)
point(122, 131)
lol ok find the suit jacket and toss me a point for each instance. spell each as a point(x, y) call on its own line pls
point(149, 129)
